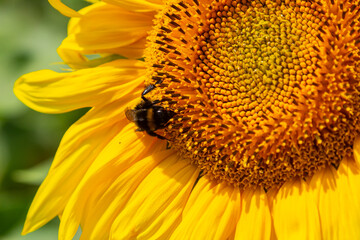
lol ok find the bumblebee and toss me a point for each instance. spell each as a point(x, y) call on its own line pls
point(148, 116)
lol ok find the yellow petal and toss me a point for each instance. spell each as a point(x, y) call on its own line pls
point(352, 182)
point(339, 201)
point(118, 32)
point(63, 9)
point(80, 146)
point(356, 148)
point(138, 5)
point(109, 183)
point(211, 212)
point(155, 208)
point(51, 92)
point(255, 219)
point(117, 28)
point(295, 212)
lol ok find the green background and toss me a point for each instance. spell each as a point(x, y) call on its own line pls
point(30, 32)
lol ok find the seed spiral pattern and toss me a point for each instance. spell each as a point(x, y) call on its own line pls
point(264, 91)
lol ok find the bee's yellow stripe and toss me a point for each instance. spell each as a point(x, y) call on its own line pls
point(150, 119)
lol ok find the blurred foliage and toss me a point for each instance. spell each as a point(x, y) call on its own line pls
point(29, 35)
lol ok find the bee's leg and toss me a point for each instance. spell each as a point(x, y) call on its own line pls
point(147, 90)
point(160, 137)
point(155, 135)
point(139, 130)
point(150, 88)
point(201, 174)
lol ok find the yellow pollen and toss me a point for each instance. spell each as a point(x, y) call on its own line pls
point(264, 91)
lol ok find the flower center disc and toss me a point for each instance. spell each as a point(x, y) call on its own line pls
point(264, 91)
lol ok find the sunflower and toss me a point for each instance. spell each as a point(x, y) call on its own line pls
point(261, 138)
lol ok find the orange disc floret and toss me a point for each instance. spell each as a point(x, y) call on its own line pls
point(264, 91)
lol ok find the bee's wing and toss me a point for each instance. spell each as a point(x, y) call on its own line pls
point(130, 115)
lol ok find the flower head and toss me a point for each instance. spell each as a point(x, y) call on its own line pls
point(257, 100)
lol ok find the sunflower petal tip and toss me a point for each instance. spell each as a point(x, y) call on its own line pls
point(63, 9)
point(27, 229)
point(24, 232)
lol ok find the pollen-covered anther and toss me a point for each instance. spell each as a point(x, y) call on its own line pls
point(263, 91)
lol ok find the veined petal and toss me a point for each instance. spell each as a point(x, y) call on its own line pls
point(51, 92)
point(94, 36)
point(356, 148)
point(112, 18)
point(138, 5)
point(255, 219)
point(339, 200)
point(295, 212)
point(74, 56)
point(110, 180)
point(211, 212)
point(80, 146)
point(63, 9)
point(112, 201)
point(155, 208)
point(118, 29)
point(352, 182)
